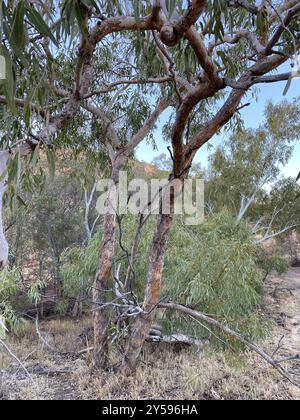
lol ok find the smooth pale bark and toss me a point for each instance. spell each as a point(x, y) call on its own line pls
point(3, 185)
point(100, 289)
point(24, 150)
point(143, 323)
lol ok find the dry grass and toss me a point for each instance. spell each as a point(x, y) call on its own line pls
point(163, 374)
point(188, 376)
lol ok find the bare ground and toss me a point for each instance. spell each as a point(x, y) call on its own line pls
point(162, 374)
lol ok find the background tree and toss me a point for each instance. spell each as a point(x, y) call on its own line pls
point(249, 162)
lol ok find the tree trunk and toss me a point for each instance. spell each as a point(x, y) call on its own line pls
point(143, 323)
point(77, 308)
point(101, 315)
point(3, 185)
point(130, 275)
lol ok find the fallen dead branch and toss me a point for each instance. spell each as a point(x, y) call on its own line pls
point(184, 339)
point(288, 359)
point(228, 331)
point(41, 370)
point(176, 338)
point(88, 350)
point(45, 343)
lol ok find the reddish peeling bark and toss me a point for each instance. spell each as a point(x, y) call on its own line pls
point(143, 323)
point(100, 312)
point(101, 319)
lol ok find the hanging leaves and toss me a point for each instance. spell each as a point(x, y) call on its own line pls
point(262, 24)
point(287, 86)
point(27, 114)
point(18, 29)
point(14, 169)
point(51, 162)
point(80, 17)
point(35, 157)
point(40, 25)
point(75, 10)
point(171, 5)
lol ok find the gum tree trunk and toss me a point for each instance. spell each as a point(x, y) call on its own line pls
point(143, 323)
point(101, 283)
point(119, 156)
point(3, 185)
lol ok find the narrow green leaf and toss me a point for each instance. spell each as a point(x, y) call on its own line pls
point(80, 17)
point(287, 86)
point(13, 169)
point(21, 201)
point(35, 157)
point(3, 175)
point(18, 29)
point(40, 25)
point(136, 9)
point(27, 114)
point(51, 162)
point(19, 52)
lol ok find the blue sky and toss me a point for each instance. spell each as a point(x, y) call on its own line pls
point(253, 117)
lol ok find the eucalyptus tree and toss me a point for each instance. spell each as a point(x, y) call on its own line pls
point(250, 159)
point(280, 210)
point(199, 57)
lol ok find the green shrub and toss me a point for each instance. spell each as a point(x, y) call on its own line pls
point(15, 297)
point(212, 268)
point(79, 266)
point(274, 261)
point(10, 283)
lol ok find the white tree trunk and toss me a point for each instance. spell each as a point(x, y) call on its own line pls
point(3, 185)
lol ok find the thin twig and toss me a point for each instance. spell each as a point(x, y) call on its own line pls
point(19, 361)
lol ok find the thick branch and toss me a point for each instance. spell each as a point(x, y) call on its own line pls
point(173, 31)
point(231, 105)
point(196, 42)
point(190, 17)
point(122, 23)
point(21, 103)
point(257, 80)
point(204, 91)
point(228, 331)
point(234, 39)
point(280, 30)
